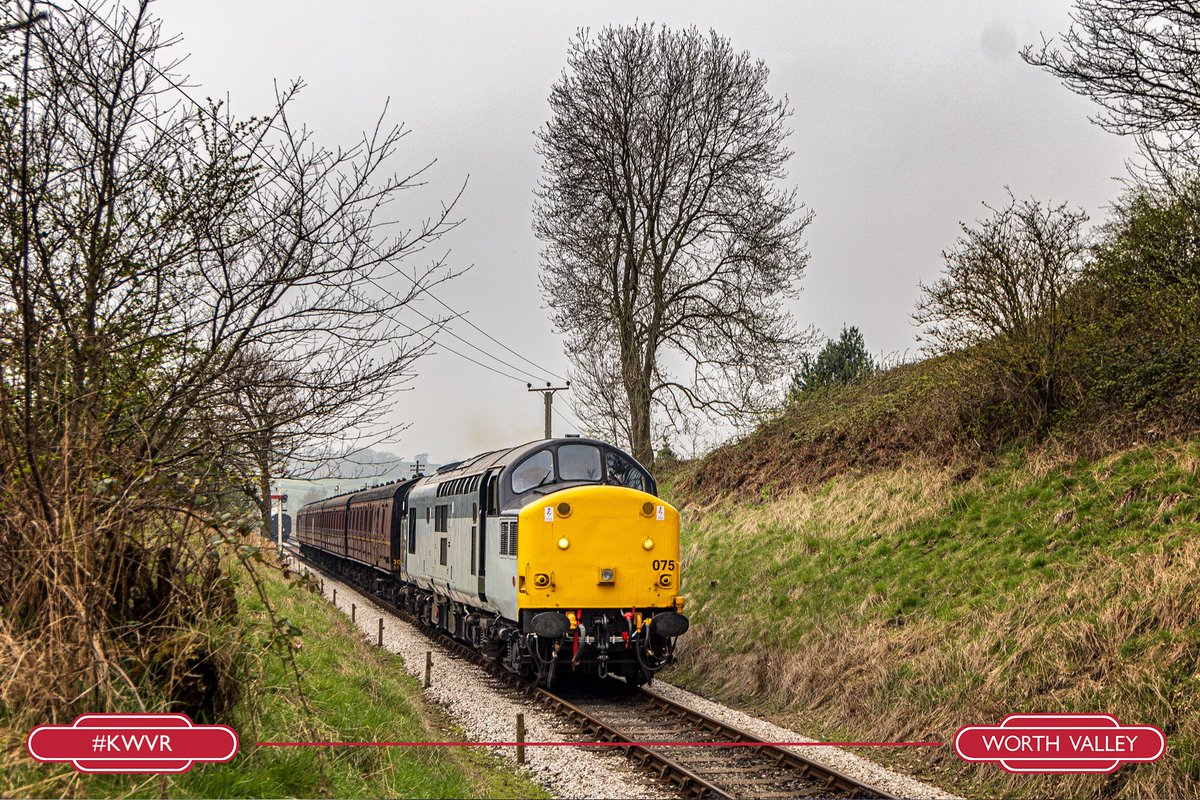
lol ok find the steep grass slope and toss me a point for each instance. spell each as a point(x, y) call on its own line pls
point(901, 603)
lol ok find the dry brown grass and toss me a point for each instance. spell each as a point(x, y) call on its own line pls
point(873, 504)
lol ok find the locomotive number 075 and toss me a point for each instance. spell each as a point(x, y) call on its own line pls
point(664, 564)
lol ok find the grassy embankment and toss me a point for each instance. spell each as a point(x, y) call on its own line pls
point(851, 574)
point(358, 693)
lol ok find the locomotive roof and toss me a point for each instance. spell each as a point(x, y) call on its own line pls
point(502, 458)
point(468, 466)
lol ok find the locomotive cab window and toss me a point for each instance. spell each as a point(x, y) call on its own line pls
point(535, 471)
point(579, 462)
point(623, 472)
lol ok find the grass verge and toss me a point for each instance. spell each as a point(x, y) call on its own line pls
point(358, 693)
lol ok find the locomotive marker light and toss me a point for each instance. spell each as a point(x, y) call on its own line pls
point(564, 543)
point(648, 544)
point(606, 575)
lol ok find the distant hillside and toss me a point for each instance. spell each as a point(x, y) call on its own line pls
point(363, 469)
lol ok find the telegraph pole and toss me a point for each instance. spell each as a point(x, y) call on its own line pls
point(548, 398)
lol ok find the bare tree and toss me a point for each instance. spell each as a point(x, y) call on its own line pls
point(665, 234)
point(1140, 61)
point(1001, 297)
point(285, 418)
point(152, 253)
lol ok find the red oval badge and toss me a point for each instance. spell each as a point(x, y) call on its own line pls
point(1060, 743)
point(132, 743)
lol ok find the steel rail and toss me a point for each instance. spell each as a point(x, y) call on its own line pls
point(820, 773)
point(683, 779)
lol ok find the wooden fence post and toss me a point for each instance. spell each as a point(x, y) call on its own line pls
point(520, 738)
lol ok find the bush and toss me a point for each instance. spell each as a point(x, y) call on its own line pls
point(840, 363)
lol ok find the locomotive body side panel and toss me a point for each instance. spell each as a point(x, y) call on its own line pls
point(447, 526)
point(501, 578)
point(421, 504)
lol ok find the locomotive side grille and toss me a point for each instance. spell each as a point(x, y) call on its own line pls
point(508, 537)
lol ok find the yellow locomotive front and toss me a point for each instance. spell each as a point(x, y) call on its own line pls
point(598, 582)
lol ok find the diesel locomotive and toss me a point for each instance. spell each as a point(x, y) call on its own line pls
point(550, 557)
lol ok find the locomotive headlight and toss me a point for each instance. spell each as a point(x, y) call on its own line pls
point(647, 509)
point(606, 575)
point(563, 543)
point(564, 509)
point(648, 543)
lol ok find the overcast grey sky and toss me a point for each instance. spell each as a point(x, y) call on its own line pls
point(908, 116)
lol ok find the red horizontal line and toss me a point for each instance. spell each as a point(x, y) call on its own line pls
point(600, 744)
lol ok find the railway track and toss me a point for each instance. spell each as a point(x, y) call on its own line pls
point(697, 755)
point(720, 759)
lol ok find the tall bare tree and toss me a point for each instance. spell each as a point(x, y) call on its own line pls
point(1002, 297)
point(150, 251)
point(1140, 61)
point(667, 237)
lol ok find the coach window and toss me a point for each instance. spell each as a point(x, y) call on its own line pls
point(533, 472)
point(579, 462)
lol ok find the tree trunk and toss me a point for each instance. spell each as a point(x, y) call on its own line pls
point(264, 498)
point(640, 442)
point(635, 375)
